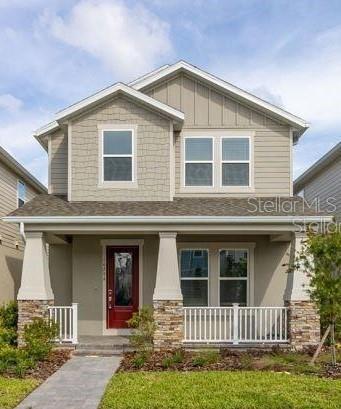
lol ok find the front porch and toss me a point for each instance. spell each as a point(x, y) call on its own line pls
point(205, 288)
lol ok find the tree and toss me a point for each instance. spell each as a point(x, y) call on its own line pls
point(321, 257)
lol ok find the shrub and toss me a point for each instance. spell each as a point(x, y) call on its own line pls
point(143, 324)
point(167, 362)
point(246, 361)
point(139, 360)
point(38, 338)
point(15, 361)
point(8, 324)
point(178, 356)
point(204, 358)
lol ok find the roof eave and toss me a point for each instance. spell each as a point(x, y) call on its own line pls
point(21, 171)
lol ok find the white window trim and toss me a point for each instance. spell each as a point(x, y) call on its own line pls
point(128, 184)
point(217, 135)
point(197, 278)
point(247, 278)
point(25, 199)
point(214, 267)
point(198, 161)
point(249, 162)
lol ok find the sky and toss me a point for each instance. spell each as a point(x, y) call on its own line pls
point(55, 52)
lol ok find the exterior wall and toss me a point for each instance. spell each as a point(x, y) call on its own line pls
point(153, 153)
point(88, 277)
point(326, 184)
point(58, 163)
point(88, 280)
point(11, 245)
point(205, 109)
point(60, 264)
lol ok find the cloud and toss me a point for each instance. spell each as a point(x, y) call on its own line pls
point(128, 40)
point(10, 103)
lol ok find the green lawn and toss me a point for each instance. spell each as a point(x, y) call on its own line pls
point(13, 391)
point(220, 390)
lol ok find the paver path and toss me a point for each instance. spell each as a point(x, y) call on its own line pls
point(79, 384)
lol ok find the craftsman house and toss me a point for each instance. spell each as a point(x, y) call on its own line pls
point(174, 191)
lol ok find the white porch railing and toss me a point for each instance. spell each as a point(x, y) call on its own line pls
point(235, 324)
point(66, 318)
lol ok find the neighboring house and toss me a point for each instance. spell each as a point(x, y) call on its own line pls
point(168, 192)
point(17, 186)
point(320, 185)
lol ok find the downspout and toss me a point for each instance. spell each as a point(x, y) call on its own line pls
point(22, 231)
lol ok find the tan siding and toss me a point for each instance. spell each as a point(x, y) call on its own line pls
point(271, 164)
point(8, 202)
point(216, 102)
point(153, 154)
point(10, 255)
point(205, 108)
point(326, 184)
point(58, 178)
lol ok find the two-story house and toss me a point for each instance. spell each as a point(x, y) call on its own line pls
point(17, 186)
point(320, 185)
point(173, 191)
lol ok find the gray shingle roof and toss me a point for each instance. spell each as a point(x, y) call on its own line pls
point(50, 205)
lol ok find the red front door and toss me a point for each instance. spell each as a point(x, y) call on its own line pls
point(122, 284)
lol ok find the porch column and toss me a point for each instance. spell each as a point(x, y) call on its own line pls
point(35, 293)
point(167, 298)
point(303, 316)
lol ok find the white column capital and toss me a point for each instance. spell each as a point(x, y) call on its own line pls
point(35, 277)
point(167, 286)
point(167, 234)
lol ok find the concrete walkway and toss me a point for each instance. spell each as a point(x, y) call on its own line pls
point(79, 384)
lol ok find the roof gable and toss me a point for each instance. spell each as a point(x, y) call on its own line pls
point(238, 94)
point(317, 167)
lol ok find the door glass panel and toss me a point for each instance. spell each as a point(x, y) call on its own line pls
point(123, 278)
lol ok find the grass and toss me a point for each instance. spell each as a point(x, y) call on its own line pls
point(13, 391)
point(220, 390)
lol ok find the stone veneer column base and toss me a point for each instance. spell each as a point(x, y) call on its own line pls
point(168, 317)
point(303, 324)
point(27, 311)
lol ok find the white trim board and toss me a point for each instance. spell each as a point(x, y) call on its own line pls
point(238, 93)
point(167, 219)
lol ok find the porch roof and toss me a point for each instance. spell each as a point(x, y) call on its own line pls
point(47, 205)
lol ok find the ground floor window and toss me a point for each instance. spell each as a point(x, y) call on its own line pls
point(194, 276)
point(219, 275)
point(233, 277)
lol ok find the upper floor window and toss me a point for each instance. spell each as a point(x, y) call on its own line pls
point(21, 193)
point(199, 161)
point(235, 161)
point(220, 162)
point(118, 155)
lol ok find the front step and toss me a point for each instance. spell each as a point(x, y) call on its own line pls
point(97, 352)
point(102, 346)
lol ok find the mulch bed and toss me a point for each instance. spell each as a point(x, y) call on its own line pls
point(227, 360)
point(46, 368)
point(333, 371)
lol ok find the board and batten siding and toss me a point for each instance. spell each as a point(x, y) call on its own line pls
point(326, 185)
point(58, 163)
point(8, 203)
point(152, 156)
point(205, 109)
